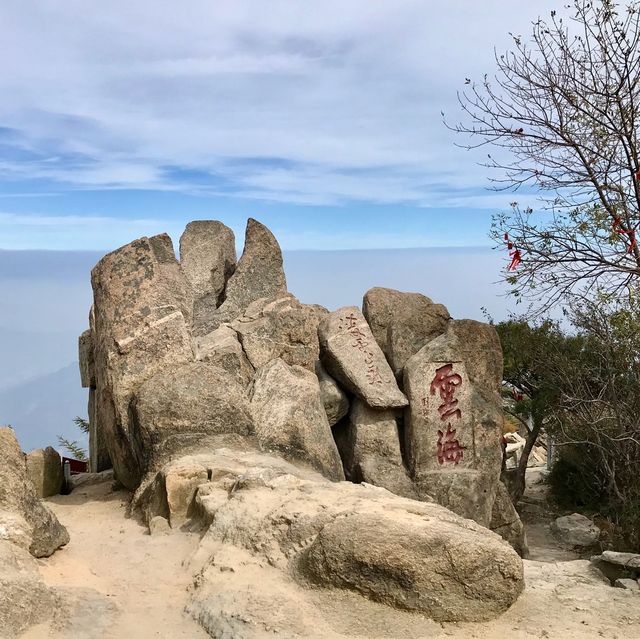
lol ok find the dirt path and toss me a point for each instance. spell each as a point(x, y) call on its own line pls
point(126, 584)
point(140, 578)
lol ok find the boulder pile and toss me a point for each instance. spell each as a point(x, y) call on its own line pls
point(188, 357)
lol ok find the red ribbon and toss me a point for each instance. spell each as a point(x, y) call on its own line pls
point(617, 228)
point(514, 254)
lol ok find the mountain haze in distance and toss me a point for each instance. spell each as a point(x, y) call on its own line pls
point(45, 298)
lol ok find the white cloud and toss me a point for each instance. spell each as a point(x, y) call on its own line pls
point(346, 96)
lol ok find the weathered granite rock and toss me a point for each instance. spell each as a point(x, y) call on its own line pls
point(505, 521)
point(208, 259)
point(223, 348)
point(376, 554)
point(280, 328)
point(142, 307)
point(351, 355)
point(183, 405)
point(259, 274)
point(481, 351)
point(86, 360)
point(99, 459)
point(159, 526)
point(334, 399)
point(412, 318)
point(289, 417)
point(370, 450)
point(624, 559)
point(452, 432)
point(25, 601)
point(626, 584)
point(44, 469)
point(575, 530)
point(411, 555)
point(18, 497)
point(412, 327)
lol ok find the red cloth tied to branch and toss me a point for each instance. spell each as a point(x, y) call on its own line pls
point(514, 254)
point(618, 228)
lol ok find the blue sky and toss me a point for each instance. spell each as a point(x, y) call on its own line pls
point(321, 119)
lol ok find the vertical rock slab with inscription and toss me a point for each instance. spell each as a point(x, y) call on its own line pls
point(452, 431)
point(351, 354)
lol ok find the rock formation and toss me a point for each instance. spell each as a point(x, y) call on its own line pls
point(28, 529)
point(215, 391)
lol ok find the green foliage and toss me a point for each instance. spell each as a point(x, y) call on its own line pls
point(82, 424)
point(73, 447)
point(584, 388)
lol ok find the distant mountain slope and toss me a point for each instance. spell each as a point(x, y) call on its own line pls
point(43, 408)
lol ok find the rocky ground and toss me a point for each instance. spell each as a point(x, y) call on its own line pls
point(139, 585)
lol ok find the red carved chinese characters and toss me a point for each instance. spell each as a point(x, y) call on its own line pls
point(362, 344)
point(449, 449)
point(445, 384)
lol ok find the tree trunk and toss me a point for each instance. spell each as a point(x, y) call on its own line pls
point(519, 483)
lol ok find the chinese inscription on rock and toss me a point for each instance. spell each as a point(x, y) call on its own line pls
point(444, 385)
point(361, 342)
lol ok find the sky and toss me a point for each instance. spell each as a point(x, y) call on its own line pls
point(320, 118)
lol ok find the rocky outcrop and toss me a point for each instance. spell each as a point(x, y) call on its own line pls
point(44, 469)
point(280, 329)
point(182, 407)
point(351, 355)
point(24, 519)
point(406, 554)
point(220, 398)
point(208, 259)
point(369, 445)
point(142, 304)
point(259, 274)
point(289, 417)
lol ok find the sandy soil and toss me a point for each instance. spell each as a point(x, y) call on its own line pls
point(141, 578)
point(129, 584)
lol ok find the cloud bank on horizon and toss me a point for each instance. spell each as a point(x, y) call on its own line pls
point(321, 118)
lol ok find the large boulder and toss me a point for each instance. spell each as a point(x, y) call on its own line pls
point(44, 468)
point(295, 529)
point(290, 418)
point(259, 274)
point(24, 519)
point(181, 407)
point(223, 348)
point(350, 353)
point(402, 323)
point(142, 316)
point(208, 259)
point(369, 446)
point(575, 531)
point(280, 328)
point(452, 431)
point(334, 399)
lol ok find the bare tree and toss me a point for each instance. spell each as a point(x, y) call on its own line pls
point(561, 117)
